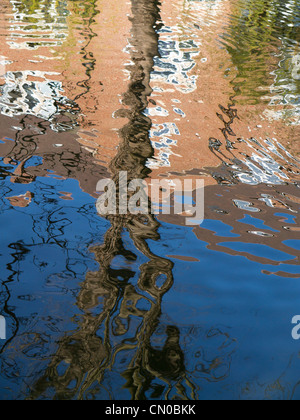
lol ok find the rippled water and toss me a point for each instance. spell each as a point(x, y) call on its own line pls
point(135, 307)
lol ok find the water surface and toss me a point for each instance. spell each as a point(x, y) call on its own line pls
point(146, 307)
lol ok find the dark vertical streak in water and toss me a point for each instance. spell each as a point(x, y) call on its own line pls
point(90, 351)
point(90, 12)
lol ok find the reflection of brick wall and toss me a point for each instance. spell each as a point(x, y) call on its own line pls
point(98, 98)
point(90, 61)
point(20, 44)
point(196, 22)
point(60, 153)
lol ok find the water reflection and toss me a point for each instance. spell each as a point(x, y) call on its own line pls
point(253, 221)
point(173, 73)
point(265, 161)
point(38, 24)
point(162, 311)
point(40, 92)
point(122, 325)
point(34, 93)
point(262, 38)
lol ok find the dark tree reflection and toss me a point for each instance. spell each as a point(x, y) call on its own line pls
point(109, 301)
